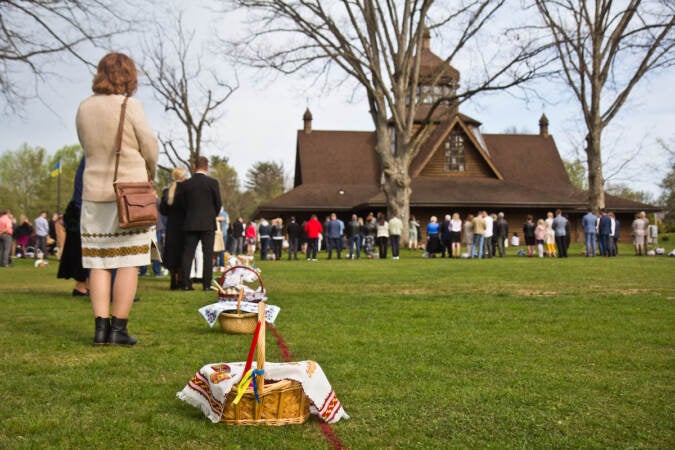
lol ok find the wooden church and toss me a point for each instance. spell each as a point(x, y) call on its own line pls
point(458, 169)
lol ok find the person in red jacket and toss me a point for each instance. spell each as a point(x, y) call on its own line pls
point(251, 236)
point(313, 228)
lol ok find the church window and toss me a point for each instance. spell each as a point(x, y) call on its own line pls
point(454, 153)
point(428, 94)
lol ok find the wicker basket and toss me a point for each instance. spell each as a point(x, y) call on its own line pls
point(281, 402)
point(232, 322)
point(237, 322)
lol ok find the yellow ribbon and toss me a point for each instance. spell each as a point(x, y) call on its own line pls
point(243, 385)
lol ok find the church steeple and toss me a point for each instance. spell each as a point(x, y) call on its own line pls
point(307, 119)
point(426, 39)
point(543, 126)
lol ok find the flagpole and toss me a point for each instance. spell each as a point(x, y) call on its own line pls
point(57, 169)
point(58, 191)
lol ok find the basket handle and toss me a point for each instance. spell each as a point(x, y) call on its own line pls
point(260, 348)
point(239, 299)
point(221, 280)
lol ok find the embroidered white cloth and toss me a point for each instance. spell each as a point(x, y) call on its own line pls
point(250, 295)
point(212, 311)
point(209, 387)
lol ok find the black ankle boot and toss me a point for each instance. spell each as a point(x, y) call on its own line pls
point(102, 331)
point(118, 333)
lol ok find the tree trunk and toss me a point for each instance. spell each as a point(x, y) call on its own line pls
point(396, 180)
point(596, 182)
point(397, 192)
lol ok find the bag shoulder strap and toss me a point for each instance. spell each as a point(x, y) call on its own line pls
point(118, 142)
point(118, 139)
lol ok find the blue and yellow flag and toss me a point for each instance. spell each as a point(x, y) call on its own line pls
point(56, 170)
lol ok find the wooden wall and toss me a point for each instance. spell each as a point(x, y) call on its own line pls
point(474, 164)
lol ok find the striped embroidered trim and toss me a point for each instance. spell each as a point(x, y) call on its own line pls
point(123, 233)
point(330, 407)
point(113, 252)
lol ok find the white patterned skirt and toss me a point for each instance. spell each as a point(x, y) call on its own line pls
point(107, 246)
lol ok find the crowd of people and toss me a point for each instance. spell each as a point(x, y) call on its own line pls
point(601, 233)
point(483, 235)
point(371, 237)
point(22, 238)
point(477, 236)
point(486, 235)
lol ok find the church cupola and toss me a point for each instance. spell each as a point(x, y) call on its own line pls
point(543, 126)
point(307, 119)
point(437, 78)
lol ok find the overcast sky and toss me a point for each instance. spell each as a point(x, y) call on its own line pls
point(261, 119)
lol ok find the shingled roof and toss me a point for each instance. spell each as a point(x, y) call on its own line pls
point(339, 171)
point(334, 171)
point(336, 157)
point(530, 160)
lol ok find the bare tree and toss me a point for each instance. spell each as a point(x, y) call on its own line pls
point(379, 46)
point(605, 48)
point(33, 32)
point(623, 190)
point(192, 91)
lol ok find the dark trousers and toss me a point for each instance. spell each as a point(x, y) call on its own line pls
point(446, 245)
point(276, 245)
point(562, 248)
point(489, 250)
point(293, 244)
point(334, 244)
point(237, 245)
point(355, 244)
point(382, 246)
point(6, 249)
point(189, 247)
point(264, 247)
point(603, 243)
point(312, 245)
point(395, 240)
point(41, 244)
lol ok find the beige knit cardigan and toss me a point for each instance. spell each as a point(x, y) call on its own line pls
point(97, 121)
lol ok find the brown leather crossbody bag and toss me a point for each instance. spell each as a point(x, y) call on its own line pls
point(136, 201)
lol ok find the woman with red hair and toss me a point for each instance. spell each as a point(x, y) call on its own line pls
point(105, 246)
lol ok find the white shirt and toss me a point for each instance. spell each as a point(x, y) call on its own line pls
point(613, 227)
point(488, 226)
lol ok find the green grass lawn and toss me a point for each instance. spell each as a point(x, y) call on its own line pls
point(423, 353)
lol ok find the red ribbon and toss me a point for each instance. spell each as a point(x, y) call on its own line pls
point(249, 360)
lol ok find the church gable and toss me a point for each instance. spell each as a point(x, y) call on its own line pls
point(455, 151)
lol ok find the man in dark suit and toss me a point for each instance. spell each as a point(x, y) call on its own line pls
point(200, 198)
